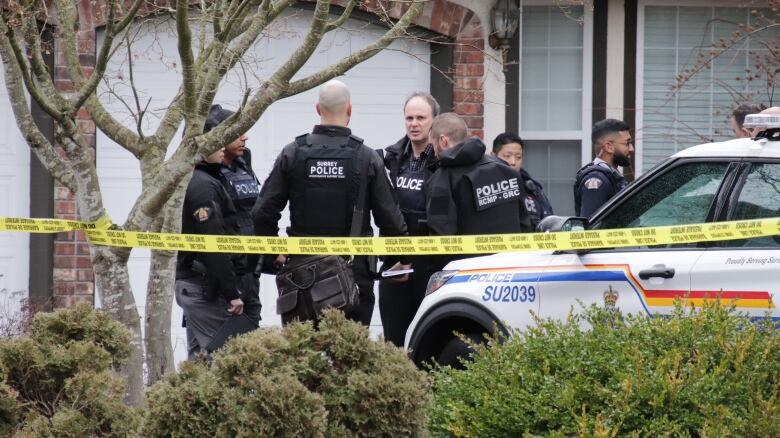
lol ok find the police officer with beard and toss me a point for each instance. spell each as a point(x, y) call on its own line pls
point(206, 285)
point(600, 180)
point(319, 173)
point(241, 184)
point(470, 192)
point(409, 163)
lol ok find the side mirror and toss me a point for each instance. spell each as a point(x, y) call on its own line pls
point(552, 224)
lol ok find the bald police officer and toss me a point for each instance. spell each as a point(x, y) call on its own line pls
point(599, 180)
point(470, 192)
point(319, 175)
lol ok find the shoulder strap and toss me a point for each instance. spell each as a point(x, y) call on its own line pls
point(302, 140)
point(364, 163)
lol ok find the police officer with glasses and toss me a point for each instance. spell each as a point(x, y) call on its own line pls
point(600, 180)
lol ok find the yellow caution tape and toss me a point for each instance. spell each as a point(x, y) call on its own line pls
point(30, 225)
point(99, 233)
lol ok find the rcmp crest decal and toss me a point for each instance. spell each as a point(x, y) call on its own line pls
point(202, 214)
point(610, 298)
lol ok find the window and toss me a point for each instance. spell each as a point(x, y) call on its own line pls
point(758, 199)
point(555, 95)
point(551, 163)
point(670, 40)
point(682, 195)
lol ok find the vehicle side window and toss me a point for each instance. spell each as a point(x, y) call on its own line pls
point(759, 198)
point(683, 195)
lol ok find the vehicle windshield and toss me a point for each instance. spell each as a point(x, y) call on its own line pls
point(683, 195)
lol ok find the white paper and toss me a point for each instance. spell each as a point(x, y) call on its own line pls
point(395, 273)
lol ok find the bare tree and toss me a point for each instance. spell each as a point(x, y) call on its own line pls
point(228, 29)
point(738, 58)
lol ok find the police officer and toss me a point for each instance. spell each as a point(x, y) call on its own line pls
point(206, 285)
point(470, 192)
point(319, 174)
point(508, 147)
point(409, 163)
point(599, 180)
point(241, 184)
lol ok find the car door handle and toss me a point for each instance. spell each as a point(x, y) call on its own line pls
point(661, 272)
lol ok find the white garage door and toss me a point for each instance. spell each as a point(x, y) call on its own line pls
point(379, 88)
point(14, 201)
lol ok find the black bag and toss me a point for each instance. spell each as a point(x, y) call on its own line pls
point(308, 284)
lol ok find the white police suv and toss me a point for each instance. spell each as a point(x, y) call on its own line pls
point(732, 180)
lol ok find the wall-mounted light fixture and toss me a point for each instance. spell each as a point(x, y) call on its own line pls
point(504, 19)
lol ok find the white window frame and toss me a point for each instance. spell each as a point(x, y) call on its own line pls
point(640, 61)
point(582, 135)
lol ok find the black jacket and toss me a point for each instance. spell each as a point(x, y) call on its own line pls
point(275, 192)
point(594, 185)
point(536, 201)
point(394, 159)
point(474, 193)
point(208, 209)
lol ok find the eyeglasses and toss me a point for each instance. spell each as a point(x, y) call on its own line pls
point(629, 142)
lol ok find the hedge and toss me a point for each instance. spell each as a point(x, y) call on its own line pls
point(294, 382)
point(705, 372)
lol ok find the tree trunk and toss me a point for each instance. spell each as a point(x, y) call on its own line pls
point(159, 294)
point(116, 297)
point(159, 301)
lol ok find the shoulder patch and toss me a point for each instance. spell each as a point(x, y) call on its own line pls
point(202, 214)
point(593, 183)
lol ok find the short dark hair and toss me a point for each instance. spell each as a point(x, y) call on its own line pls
point(217, 115)
point(505, 138)
point(741, 111)
point(428, 98)
point(606, 127)
point(451, 125)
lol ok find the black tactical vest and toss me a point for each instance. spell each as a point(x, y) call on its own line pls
point(244, 189)
point(616, 179)
point(323, 186)
point(495, 204)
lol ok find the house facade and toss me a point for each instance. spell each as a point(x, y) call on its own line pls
point(569, 64)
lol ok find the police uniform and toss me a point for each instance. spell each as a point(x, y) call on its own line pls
point(241, 184)
point(536, 202)
point(398, 302)
point(473, 193)
point(318, 174)
point(207, 282)
point(594, 185)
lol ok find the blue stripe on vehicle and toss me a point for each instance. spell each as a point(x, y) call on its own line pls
point(552, 276)
point(563, 276)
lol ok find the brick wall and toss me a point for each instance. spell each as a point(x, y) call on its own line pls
point(463, 26)
point(73, 278)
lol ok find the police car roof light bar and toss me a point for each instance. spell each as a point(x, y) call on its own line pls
point(768, 123)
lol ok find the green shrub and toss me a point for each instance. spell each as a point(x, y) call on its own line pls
point(59, 379)
point(294, 382)
point(708, 372)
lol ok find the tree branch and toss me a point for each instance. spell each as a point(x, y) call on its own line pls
point(260, 21)
point(105, 121)
point(356, 58)
point(189, 74)
point(42, 148)
point(9, 38)
point(344, 16)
